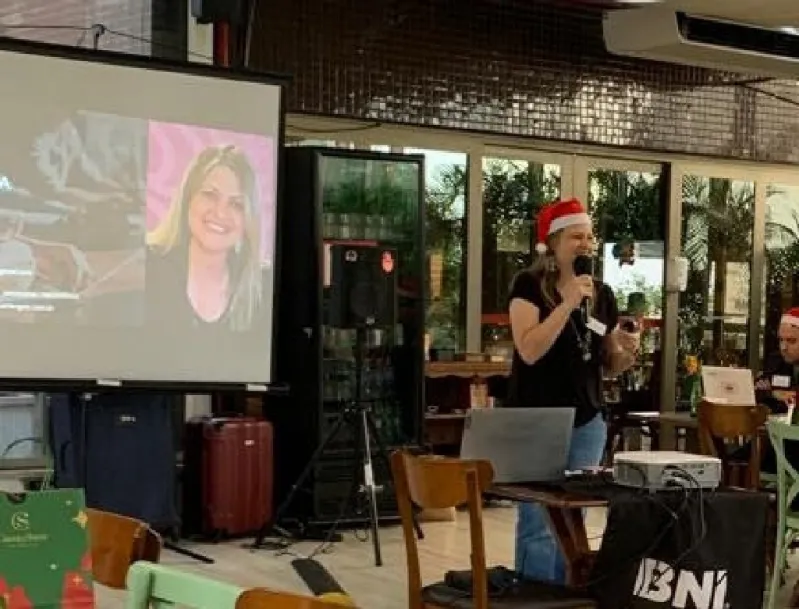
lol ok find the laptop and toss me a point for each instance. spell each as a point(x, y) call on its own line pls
point(522, 444)
point(728, 385)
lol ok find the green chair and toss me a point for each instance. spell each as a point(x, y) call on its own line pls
point(787, 491)
point(158, 587)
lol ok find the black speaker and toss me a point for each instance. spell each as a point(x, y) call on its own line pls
point(363, 286)
point(219, 11)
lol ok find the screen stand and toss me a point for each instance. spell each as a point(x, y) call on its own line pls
point(357, 415)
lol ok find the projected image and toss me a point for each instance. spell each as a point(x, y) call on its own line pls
point(210, 227)
point(71, 218)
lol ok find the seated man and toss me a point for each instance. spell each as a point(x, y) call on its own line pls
point(781, 373)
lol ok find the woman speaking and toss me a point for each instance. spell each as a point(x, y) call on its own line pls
point(565, 337)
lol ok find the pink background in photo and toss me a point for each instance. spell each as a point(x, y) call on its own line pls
point(172, 148)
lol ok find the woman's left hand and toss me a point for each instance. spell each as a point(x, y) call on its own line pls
point(629, 342)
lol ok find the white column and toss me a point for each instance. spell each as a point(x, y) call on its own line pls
point(474, 252)
point(200, 47)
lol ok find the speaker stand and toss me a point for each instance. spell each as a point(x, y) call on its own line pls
point(357, 415)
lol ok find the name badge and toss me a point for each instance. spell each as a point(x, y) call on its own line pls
point(597, 327)
point(783, 382)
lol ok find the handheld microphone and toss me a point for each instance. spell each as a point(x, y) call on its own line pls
point(584, 265)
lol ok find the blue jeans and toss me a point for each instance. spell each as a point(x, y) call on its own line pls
point(537, 553)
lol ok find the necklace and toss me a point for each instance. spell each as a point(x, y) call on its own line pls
point(583, 340)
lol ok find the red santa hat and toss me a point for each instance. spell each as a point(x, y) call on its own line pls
point(791, 317)
point(557, 216)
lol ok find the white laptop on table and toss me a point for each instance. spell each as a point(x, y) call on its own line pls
point(728, 385)
point(522, 444)
point(737, 386)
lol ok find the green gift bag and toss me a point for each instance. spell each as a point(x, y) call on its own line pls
point(45, 557)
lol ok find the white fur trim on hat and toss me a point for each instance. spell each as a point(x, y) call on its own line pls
point(541, 248)
point(570, 220)
point(790, 320)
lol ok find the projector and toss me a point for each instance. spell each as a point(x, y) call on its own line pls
point(666, 470)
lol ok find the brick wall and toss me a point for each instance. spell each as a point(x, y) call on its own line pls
point(523, 68)
point(129, 22)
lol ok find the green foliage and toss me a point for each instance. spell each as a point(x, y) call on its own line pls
point(782, 238)
point(445, 200)
point(652, 294)
point(717, 222)
point(625, 206)
point(513, 193)
point(388, 193)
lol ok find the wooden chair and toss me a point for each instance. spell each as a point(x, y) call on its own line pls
point(261, 598)
point(116, 543)
point(152, 586)
point(436, 482)
point(723, 426)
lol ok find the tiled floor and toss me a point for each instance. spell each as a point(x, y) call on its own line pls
point(446, 546)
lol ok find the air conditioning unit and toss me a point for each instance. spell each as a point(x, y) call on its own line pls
point(663, 34)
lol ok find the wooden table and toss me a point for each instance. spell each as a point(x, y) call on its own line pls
point(443, 432)
point(474, 371)
point(672, 422)
point(450, 387)
point(565, 513)
point(666, 424)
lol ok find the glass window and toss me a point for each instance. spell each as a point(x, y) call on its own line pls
point(782, 260)
point(445, 242)
point(513, 192)
point(717, 225)
point(629, 228)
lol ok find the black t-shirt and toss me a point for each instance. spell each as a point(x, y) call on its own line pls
point(776, 366)
point(562, 377)
point(170, 313)
point(169, 308)
point(168, 304)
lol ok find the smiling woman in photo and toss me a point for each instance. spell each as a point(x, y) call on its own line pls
point(203, 256)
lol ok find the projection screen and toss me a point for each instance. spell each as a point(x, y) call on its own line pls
point(137, 221)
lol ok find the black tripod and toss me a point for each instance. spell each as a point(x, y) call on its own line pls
point(357, 415)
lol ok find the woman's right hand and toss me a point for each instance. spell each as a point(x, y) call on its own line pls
point(577, 289)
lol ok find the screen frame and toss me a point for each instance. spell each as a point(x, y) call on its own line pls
point(143, 62)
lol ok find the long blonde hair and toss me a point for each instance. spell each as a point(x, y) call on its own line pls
point(171, 234)
point(545, 271)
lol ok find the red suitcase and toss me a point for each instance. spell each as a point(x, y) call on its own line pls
point(235, 477)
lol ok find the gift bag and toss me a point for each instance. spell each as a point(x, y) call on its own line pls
point(683, 550)
point(45, 556)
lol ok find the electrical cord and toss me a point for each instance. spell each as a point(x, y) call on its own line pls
point(100, 30)
point(674, 516)
point(703, 531)
point(359, 503)
point(680, 477)
point(650, 548)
